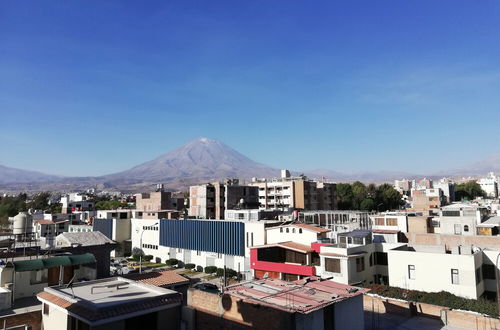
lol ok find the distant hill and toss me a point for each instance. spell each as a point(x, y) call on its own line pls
point(201, 159)
point(14, 175)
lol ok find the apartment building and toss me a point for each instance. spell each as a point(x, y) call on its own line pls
point(447, 186)
point(287, 193)
point(153, 201)
point(489, 184)
point(427, 201)
point(209, 201)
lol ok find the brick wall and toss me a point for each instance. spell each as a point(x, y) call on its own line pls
point(452, 240)
point(34, 319)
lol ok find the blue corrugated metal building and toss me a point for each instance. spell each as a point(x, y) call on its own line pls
point(225, 237)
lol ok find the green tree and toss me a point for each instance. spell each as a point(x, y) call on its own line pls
point(40, 201)
point(367, 205)
point(468, 191)
point(359, 193)
point(345, 196)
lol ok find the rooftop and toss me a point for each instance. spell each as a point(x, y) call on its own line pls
point(302, 296)
point(102, 301)
point(85, 238)
point(162, 278)
point(289, 246)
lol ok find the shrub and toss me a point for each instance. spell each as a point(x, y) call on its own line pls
point(210, 269)
point(442, 298)
point(171, 262)
point(219, 272)
point(189, 266)
point(147, 257)
point(199, 269)
point(136, 257)
point(231, 272)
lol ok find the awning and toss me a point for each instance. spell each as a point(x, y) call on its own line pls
point(28, 265)
point(56, 262)
point(82, 259)
point(38, 264)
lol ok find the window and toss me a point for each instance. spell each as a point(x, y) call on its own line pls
point(392, 221)
point(451, 213)
point(479, 278)
point(198, 253)
point(251, 238)
point(179, 250)
point(458, 229)
point(293, 230)
point(300, 230)
point(219, 256)
point(248, 242)
point(332, 265)
point(466, 228)
point(411, 272)
point(372, 256)
point(46, 309)
point(281, 230)
point(288, 230)
point(379, 221)
point(488, 272)
point(454, 276)
point(360, 264)
point(380, 258)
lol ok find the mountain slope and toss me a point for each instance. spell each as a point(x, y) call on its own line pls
point(14, 175)
point(202, 158)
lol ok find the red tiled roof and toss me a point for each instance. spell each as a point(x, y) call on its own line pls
point(296, 246)
point(385, 231)
point(162, 278)
point(312, 228)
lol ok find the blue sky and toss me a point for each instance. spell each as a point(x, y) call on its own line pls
point(94, 87)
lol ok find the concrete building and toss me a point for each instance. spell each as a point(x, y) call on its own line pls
point(288, 193)
point(404, 186)
point(202, 242)
point(447, 186)
point(112, 303)
point(271, 304)
point(25, 277)
point(251, 214)
point(153, 201)
point(209, 201)
point(460, 219)
point(337, 221)
point(489, 184)
point(51, 228)
point(431, 269)
point(427, 201)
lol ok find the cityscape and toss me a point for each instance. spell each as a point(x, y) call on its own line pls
point(249, 165)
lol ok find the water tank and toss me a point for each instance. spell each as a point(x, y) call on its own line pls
point(23, 223)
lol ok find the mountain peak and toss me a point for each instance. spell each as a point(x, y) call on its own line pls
point(202, 158)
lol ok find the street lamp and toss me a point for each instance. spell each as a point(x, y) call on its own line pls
point(140, 245)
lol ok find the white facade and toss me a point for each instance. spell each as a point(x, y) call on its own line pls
point(295, 233)
point(423, 269)
point(490, 185)
point(460, 219)
point(255, 234)
point(390, 221)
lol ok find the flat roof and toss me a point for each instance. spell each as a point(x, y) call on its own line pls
point(108, 300)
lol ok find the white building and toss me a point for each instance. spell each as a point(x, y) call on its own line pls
point(490, 185)
point(460, 219)
point(431, 269)
point(200, 242)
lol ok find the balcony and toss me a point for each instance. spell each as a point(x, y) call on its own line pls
point(282, 267)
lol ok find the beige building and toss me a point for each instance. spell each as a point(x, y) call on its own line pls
point(209, 201)
point(154, 201)
point(300, 193)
